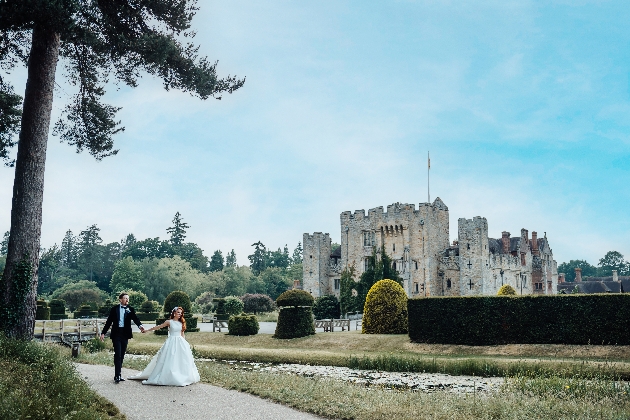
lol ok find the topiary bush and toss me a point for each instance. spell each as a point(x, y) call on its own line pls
point(243, 325)
point(295, 297)
point(85, 311)
point(58, 309)
point(220, 312)
point(103, 311)
point(506, 290)
point(42, 311)
point(326, 307)
point(204, 301)
point(233, 305)
point(385, 310)
point(180, 299)
point(296, 315)
point(256, 303)
point(177, 298)
point(136, 299)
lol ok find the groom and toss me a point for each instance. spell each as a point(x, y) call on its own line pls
point(120, 317)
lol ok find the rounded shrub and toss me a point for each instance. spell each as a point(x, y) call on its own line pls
point(85, 311)
point(177, 298)
point(233, 305)
point(326, 307)
point(147, 306)
point(255, 303)
point(243, 325)
point(136, 299)
point(94, 345)
point(385, 310)
point(295, 297)
point(506, 290)
point(219, 311)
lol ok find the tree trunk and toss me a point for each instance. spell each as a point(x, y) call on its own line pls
point(19, 282)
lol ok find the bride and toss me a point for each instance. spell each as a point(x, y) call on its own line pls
point(173, 364)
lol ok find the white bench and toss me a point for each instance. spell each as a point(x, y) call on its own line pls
point(330, 324)
point(217, 325)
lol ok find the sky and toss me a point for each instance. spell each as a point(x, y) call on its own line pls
point(524, 107)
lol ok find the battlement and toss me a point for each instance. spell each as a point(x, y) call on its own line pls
point(377, 214)
point(316, 236)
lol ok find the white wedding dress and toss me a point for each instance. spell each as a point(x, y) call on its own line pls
point(173, 364)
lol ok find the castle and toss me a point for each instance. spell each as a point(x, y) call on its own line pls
point(418, 243)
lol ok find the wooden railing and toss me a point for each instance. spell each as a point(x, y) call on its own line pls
point(331, 324)
point(68, 330)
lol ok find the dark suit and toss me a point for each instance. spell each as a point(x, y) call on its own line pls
point(120, 336)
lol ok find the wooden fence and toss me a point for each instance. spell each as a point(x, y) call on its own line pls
point(68, 331)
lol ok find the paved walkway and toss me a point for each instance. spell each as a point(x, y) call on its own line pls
point(196, 402)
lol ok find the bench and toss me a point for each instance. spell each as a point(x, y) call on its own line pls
point(329, 324)
point(206, 317)
point(217, 324)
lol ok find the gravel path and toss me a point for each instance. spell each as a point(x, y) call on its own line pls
point(196, 402)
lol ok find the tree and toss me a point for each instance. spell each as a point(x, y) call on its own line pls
point(10, 115)
point(178, 230)
point(258, 260)
point(95, 40)
point(613, 260)
point(230, 259)
point(127, 276)
point(279, 258)
point(4, 245)
point(89, 250)
point(216, 261)
point(68, 250)
point(569, 269)
point(255, 303)
point(297, 254)
point(49, 265)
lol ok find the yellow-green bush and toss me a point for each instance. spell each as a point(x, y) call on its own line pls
point(506, 290)
point(385, 310)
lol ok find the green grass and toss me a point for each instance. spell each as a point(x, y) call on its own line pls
point(520, 398)
point(38, 381)
point(395, 353)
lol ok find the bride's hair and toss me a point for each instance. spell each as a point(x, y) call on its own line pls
point(181, 319)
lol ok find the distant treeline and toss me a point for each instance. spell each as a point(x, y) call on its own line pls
point(613, 260)
point(157, 266)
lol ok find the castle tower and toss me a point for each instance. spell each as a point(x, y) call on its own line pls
point(474, 256)
point(315, 261)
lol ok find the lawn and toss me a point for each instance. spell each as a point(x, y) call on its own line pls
point(557, 382)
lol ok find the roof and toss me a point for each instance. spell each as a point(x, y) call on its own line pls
point(592, 287)
point(336, 253)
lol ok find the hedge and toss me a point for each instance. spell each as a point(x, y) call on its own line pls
point(191, 325)
point(295, 323)
point(243, 325)
point(490, 320)
point(148, 316)
point(42, 311)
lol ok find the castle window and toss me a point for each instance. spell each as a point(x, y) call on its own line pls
point(369, 238)
point(311, 256)
point(416, 265)
point(448, 283)
point(417, 289)
point(366, 264)
point(337, 284)
point(394, 265)
point(538, 286)
point(394, 247)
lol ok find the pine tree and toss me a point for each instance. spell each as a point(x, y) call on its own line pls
point(297, 254)
point(258, 260)
point(95, 40)
point(230, 259)
point(178, 230)
point(216, 261)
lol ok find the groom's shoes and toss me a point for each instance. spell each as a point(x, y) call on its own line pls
point(121, 379)
point(118, 379)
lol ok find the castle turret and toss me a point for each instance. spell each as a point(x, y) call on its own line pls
point(315, 261)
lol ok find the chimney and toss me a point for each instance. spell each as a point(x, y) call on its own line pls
point(296, 284)
point(505, 239)
point(578, 275)
point(615, 275)
point(560, 277)
point(535, 250)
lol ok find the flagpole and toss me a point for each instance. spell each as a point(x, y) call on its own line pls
point(428, 174)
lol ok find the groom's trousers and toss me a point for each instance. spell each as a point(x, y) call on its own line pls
point(120, 347)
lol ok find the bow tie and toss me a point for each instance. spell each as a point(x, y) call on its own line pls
point(124, 307)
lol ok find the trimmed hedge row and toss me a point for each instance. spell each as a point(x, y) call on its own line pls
point(243, 325)
point(295, 322)
point(489, 320)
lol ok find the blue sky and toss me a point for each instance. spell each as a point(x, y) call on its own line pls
point(524, 106)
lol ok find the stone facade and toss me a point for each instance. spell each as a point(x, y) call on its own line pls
point(417, 240)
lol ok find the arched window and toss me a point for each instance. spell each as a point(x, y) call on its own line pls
point(448, 283)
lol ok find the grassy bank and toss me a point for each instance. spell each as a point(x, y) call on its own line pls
point(396, 354)
point(39, 382)
point(520, 398)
